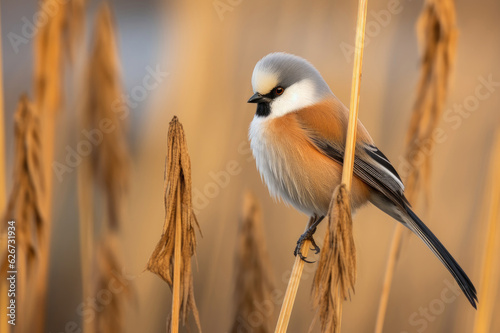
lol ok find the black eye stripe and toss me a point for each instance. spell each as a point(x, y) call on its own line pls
point(277, 91)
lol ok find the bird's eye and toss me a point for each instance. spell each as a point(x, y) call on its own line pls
point(279, 90)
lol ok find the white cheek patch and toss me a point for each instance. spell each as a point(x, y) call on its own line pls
point(299, 95)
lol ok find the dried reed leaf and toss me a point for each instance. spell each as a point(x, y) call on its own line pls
point(437, 34)
point(335, 276)
point(48, 88)
point(108, 273)
point(74, 25)
point(49, 58)
point(254, 279)
point(26, 206)
point(104, 173)
point(177, 177)
point(26, 202)
point(109, 158)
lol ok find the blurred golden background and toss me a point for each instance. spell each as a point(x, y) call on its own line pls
point(208, 49)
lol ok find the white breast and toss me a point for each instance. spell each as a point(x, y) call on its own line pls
point(272, 166)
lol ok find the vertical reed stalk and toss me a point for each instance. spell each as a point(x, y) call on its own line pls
point(48, 69)
point(355, 93)
point(388, 276)
point(75, 40)
point(293, 286)
point(84, 172)
point(176, 294)
point(86, 223)
point(336, 274)
point(490, 272)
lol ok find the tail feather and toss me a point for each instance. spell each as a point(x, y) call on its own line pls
point(424, 233)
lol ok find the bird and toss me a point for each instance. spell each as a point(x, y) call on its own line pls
point(297, 138)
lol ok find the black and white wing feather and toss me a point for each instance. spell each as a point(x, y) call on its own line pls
point(371, 166)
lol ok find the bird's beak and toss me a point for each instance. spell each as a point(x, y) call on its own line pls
point(258, 98)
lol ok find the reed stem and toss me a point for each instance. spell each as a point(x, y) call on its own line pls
point(84, 186)
point(176, 290)
point(355, 92)
point(389, 274)
point(293, 286)
point(48, 58)
point(86, 237)
point(293, 283)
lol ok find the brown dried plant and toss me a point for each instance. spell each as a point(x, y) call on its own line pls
point(336, 273)
point(49, 59)
point(48, 77)
point(74, 25)
point(109, 157)
point(103, 174)
point(179, 227)
point(254, 279)
point(108, 269)
point(26, 207)
point(437, 34)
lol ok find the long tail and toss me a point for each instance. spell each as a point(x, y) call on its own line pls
point(419, 228)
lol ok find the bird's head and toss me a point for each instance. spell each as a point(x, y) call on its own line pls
point(283, 83)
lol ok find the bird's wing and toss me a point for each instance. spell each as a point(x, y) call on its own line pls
point(373, 169)
point(326, 130)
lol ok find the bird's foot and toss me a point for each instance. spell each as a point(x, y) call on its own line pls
point(306, 236)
